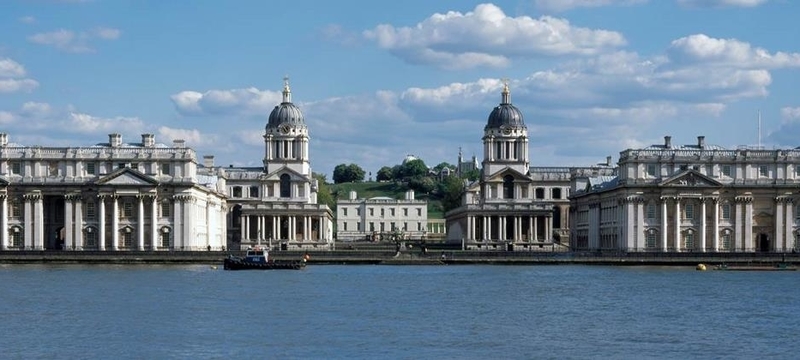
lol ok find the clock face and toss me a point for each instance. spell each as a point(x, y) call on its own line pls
point(285, 129)
point(506, 131)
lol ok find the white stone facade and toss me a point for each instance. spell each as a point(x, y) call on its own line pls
point(108, 197)
point(276, 205)
point(692, 198)
point(381, 218)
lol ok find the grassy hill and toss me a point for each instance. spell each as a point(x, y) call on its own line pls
point(366, 190)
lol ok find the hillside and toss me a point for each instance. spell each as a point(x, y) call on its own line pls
point(389, 189)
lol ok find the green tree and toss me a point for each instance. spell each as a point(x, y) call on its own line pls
point(451, 190)
point(413, 168)
point(348, 173)
point(385, 174)
point(422, 184)
point(443, 165)
point(471, 175)
point(324, 195)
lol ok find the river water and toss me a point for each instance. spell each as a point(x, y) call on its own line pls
point(396, 312)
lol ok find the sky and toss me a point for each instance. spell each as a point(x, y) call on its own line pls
point(379, 80)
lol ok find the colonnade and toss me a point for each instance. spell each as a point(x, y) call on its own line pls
point(485, 224)
point(265, 223)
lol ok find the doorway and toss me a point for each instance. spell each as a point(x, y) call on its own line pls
point(762, 243)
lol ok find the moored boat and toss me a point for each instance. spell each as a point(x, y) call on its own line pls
point(257, 258)
point(766, 267)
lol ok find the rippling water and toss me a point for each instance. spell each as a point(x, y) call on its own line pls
point(396, 312)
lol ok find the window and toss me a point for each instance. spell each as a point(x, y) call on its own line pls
point(405, 226)
point(91, 168)
point(52, 168)
point(683, 167)
point(726, 211)
point(763, 171)
point(393, 226)
point(16, 209)
point(122, 165)
point(166, 209)
point(345, 226)
point(651, 170)
point(344, 212)
point(383, 227)
point(90, 238)
point(254, 191)
point(286, 186)
point(797, 169)
point(688, 241)
point(651, 211)
point(391, 212)
point(650, 239)
point(371, 226)
point(689, 212)
point(371, 212)
point(91, 211)
point(165, 169)
point(164, 239)
point(358, 211)
point(382, 212)
point(540, 193)
point(419, 212)
point(725, 241)
point(358, 226)
point(237, 191)
point(556, 193)
point(127, 209)
point(127, 238)
point(508, 187)
point(405, 211)
point(16, 168)
point(726, 170)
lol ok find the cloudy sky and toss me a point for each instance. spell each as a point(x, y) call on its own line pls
point(377, 80)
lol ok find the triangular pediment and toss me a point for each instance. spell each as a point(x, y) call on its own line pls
point(500, 175)
point(127, 177)
point(690, 178)
point(276, 175)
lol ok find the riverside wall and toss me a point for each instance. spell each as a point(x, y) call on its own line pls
point(403, 257)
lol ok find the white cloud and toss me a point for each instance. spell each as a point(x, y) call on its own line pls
point(11, 69)
point(27, 19)
point(790, 115)
point(722, 3)
point(193, 137)
point(14, 85)
point(487, 37)
point(6, 117)
point(563, 5)
point(245, 101)
point(70, 41)
point(35, 109)
point(730, 52)
point(89, 124)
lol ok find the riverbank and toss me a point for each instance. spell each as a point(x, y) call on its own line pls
point(383, 257)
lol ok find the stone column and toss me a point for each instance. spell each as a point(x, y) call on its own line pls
point(140, 223)
point(188, 240)
point(177, 222)
point(703, 229)
point(677, 229)
point(715, 244)
point(79, 222)
point(28, 221)
point(154, 223)
point(4, 222)
point(68, 238)
point(115, 223)
point(737, 226)
point(535, 228)
point(789, 223)
point(639, 230)
point(101, 236)
point(628, 241)
point(780, 204)
point(748, 225)
point(664, 228)
point(38, 236)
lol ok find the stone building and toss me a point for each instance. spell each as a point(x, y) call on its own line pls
point(276, 204)
point(691, 198)
point(108, 197)
point(381, 218)
point(513, 205)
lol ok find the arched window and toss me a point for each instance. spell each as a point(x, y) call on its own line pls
point(508, 187)
point(286, 189)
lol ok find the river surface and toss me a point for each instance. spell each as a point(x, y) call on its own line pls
point(396, 312)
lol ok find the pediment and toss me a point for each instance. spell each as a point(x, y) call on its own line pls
point(127, 177)
point(500, 175)
point(690, 178)
point(276, 175)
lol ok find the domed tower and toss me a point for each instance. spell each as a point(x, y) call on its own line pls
point(505, 138)
point(286, 137)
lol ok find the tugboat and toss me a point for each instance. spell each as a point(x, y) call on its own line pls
point(257, 258)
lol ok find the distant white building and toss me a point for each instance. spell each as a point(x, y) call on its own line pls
point(108, 197)
point(691, 198)
point(380, 218)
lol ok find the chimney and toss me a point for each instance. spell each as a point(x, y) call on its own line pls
point(179, 143)
point(668, 142)
point(208, 161)
point(353, 195)
point(701, 142)
point(148, 140)
point(410, 195)
point(608, 161)
point(114, 140)
point(3, 139)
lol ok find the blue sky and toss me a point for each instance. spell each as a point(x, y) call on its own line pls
point(377, 80)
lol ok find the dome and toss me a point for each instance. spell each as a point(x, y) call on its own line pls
point(505, 114)
point(286, 112)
